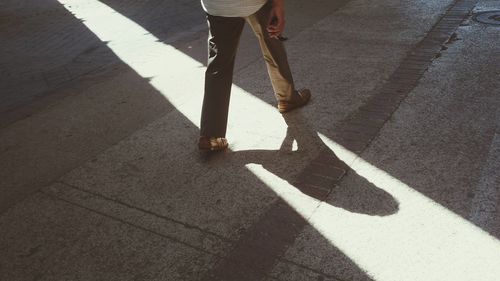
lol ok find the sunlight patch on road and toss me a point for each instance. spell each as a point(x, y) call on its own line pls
point(422, 241)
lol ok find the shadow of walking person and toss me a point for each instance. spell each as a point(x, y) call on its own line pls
point(320, 171)
point(278, 228)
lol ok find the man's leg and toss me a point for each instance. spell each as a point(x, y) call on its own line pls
point(274, 54)
point(224, 36)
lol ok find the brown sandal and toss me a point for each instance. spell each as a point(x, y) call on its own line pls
point(302, 98)
point(212, 143)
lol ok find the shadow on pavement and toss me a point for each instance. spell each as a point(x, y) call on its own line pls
point(262, 244)
point(280, 226)
point(300, 13)
point(114, 115)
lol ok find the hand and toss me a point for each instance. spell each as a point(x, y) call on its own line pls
point(276, 23)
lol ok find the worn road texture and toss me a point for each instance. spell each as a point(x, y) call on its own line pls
point(391, 173)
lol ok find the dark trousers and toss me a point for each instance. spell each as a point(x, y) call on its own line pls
point(224, 36)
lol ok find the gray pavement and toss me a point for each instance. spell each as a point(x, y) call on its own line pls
point(101, 179)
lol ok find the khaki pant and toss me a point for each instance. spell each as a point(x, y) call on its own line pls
point(224, 36)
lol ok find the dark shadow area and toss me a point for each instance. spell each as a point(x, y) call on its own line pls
point(347, 199)
point(39, 56)
point(114, 116)
point(104, 118)
point(260, 245)
point(297, 12)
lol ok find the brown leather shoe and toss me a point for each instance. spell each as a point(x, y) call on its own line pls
point(300, 99)
point(212, 143)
